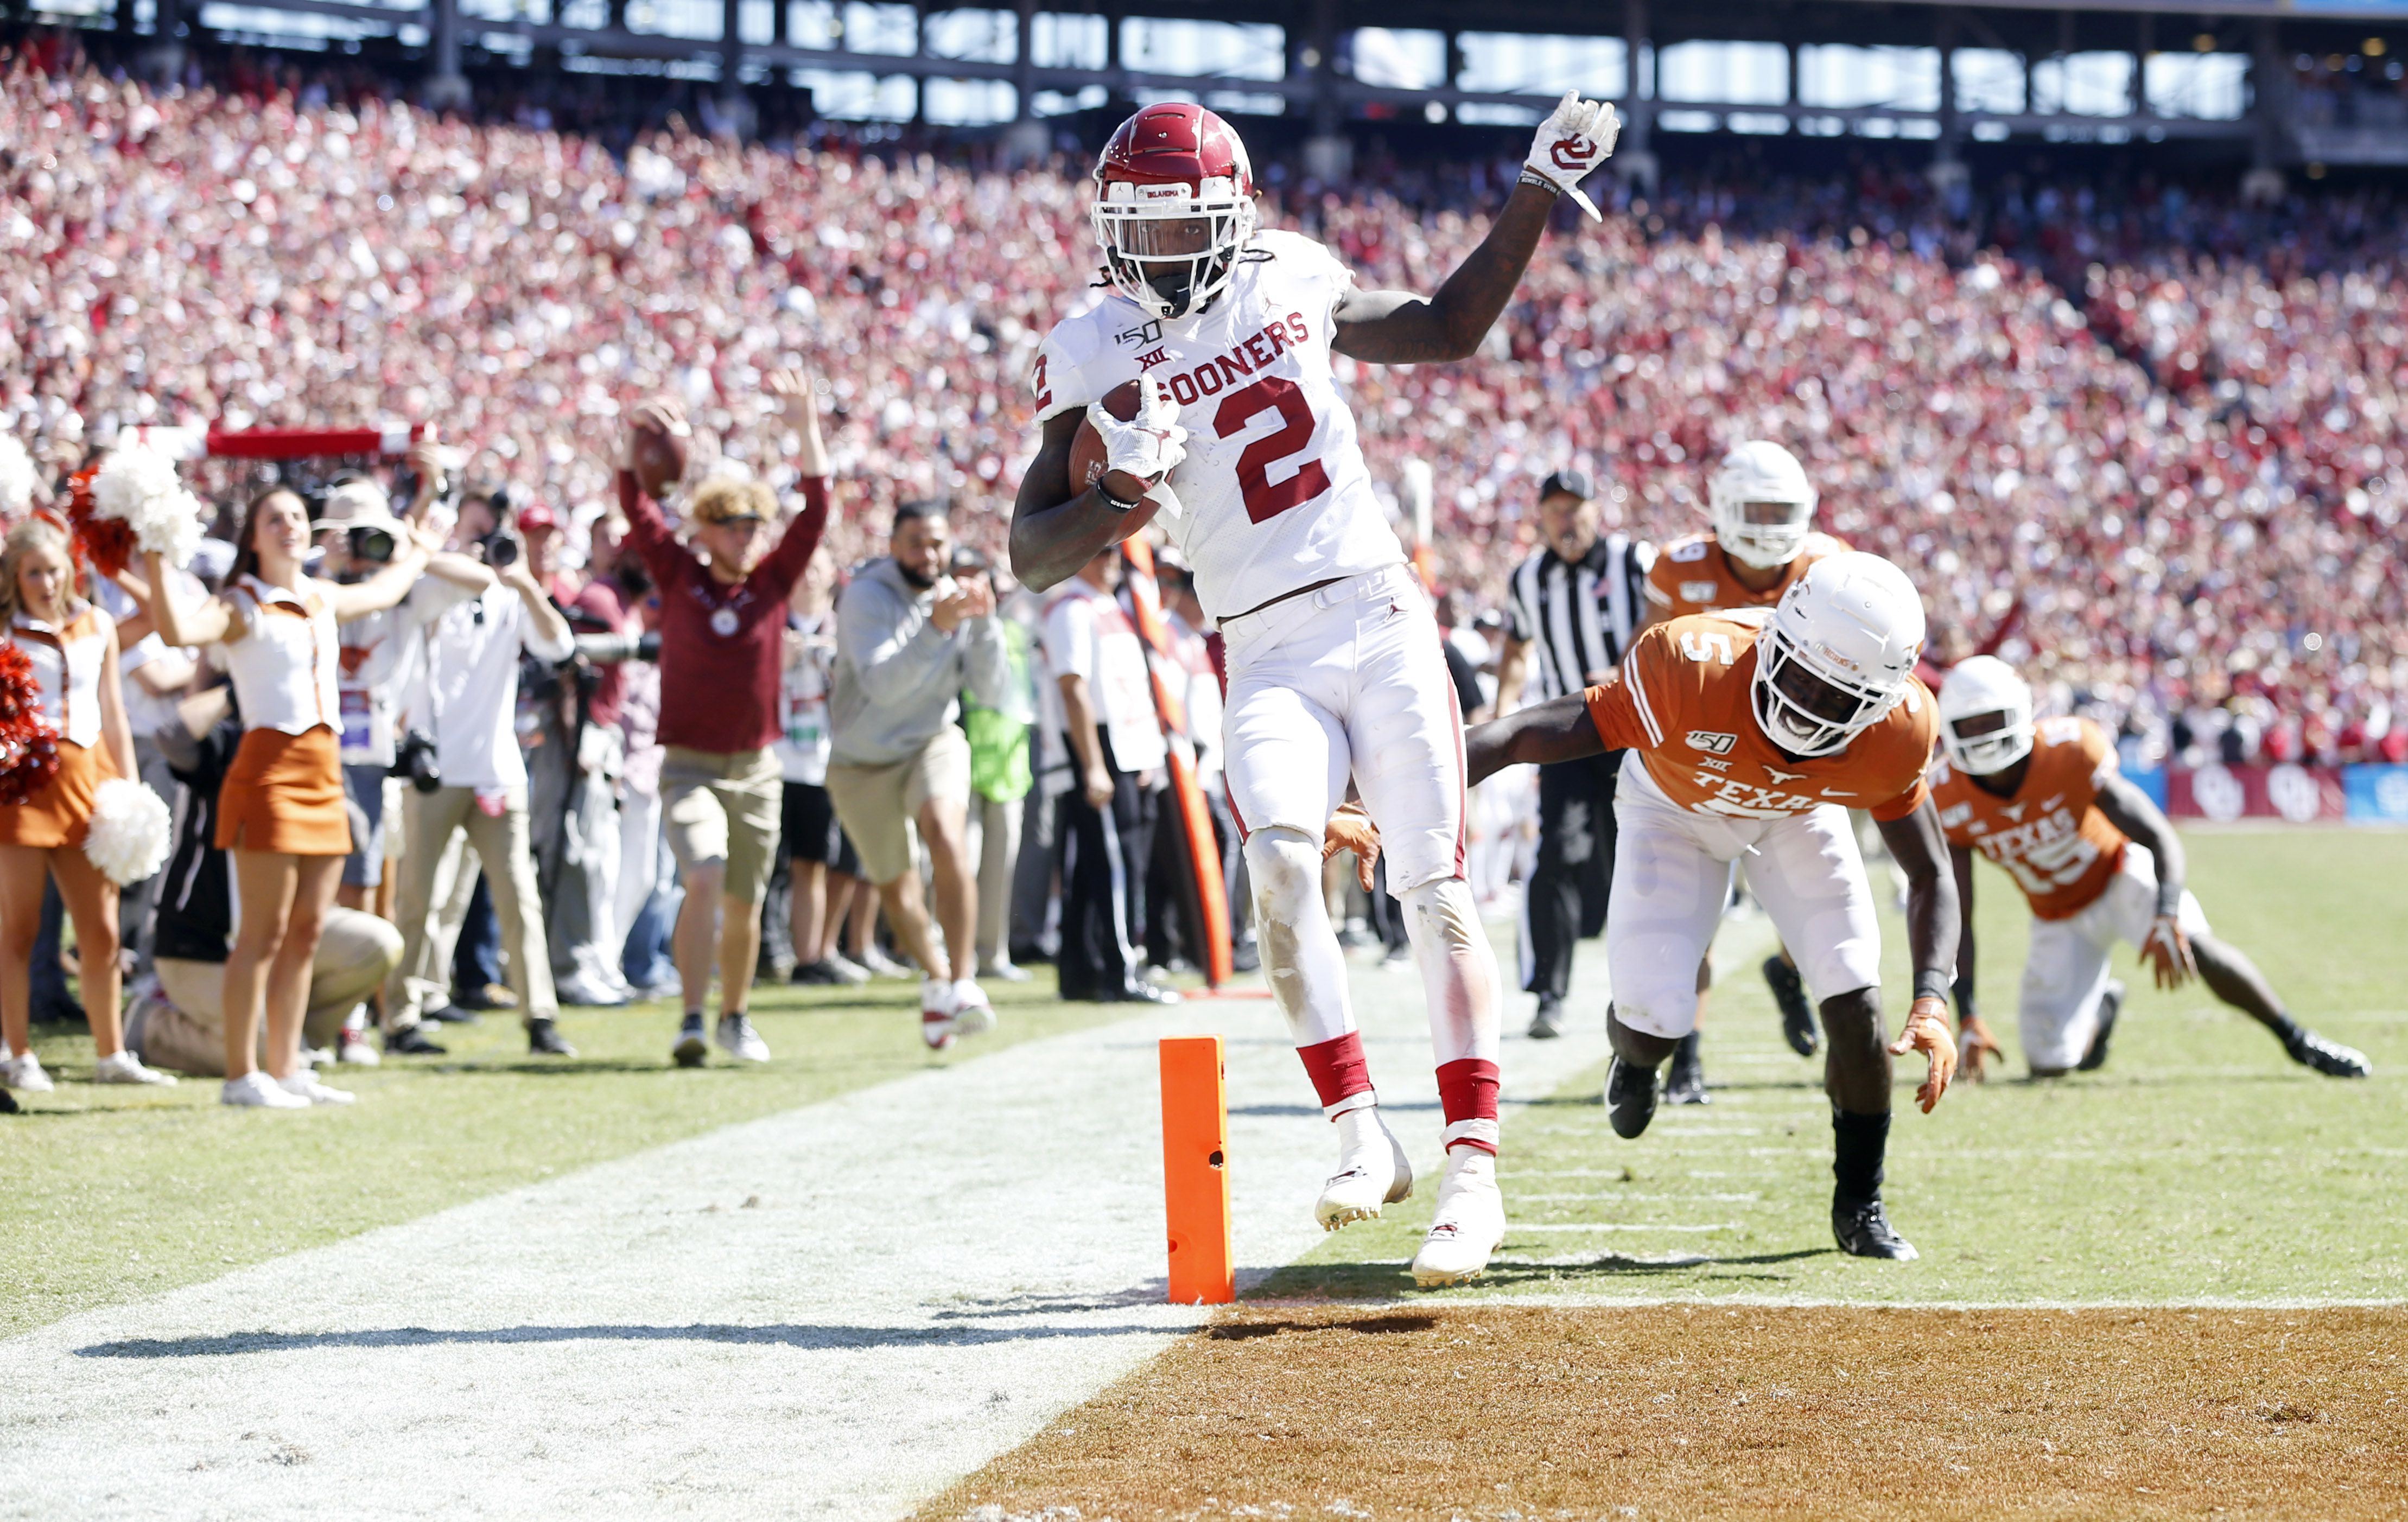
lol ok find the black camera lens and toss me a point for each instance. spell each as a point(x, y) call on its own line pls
point(501, 550)
point(375, 545)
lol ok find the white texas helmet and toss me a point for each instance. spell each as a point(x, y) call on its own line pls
point(1985, 692)
point(1761, 472)
point(1838, 653)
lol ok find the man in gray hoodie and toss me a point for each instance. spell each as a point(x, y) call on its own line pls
point(910, 638)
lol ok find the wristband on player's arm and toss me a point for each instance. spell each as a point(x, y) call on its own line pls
point(2169, 897)
point(1532, 176)
point(1115, 504)
point(1930, 983)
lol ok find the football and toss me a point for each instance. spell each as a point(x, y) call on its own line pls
point(1087, 454)
point(661, 459)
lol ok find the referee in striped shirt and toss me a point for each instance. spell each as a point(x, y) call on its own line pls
point(1572, 610)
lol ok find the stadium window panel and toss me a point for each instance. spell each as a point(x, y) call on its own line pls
point(2084, 84)
point(1989, 132)
point(983, 36)
point(1903, 79)
point(1506, 62)
point(1246, 101)
point(852, 96)
point(592, 15)
point(2208, 86)
point(695, 18)
point(1989, 80)
point(967, 103)
point(1207, 50)
point(1688, 121)
point(814, 23)
point(1480, 114)
point(1760, 123)
point(1396, 60)
point(1069, 42)
point(880, 29)
point(1054, 103)
point(756, 21)
point(1731, 73)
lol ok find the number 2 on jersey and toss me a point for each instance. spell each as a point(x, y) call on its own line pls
point(1267, 499)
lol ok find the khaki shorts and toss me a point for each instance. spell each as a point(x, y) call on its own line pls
point(722, 810)
point(875, 804)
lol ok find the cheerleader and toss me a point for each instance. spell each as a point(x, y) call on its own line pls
point(72, 648)
point(281, 815)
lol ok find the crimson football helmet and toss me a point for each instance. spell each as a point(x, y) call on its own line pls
point(1174, 208)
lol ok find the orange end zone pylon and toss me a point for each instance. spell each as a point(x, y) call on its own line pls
point(1196, 1171)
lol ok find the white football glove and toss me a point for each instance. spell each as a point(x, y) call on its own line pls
point(1150, 445)
point(1574, 139)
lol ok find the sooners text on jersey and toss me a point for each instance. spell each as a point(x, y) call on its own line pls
point(1694, 576)
point(2050, 836)
point(1681, 699)
point(1273, 495)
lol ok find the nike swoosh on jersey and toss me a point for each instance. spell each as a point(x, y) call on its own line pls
point(1837, 793)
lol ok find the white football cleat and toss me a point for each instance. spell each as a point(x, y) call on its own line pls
point(257, 1090)
point(126, 1068)
point(972, 1015)
point(303, 1084)
point(1372, 1172)
point(1471, 1221)
point(737, 1037)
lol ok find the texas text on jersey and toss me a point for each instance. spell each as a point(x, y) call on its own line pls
point(2060, 848)
point(1683, 697)
point(1694, 576)
point(1273, 495)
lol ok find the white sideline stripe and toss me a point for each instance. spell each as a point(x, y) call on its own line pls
point(1616, 1225)
point(937, 1268)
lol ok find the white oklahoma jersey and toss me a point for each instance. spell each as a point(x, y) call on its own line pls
point(1273, 495)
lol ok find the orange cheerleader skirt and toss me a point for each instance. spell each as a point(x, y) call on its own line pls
point(60, 814)
point(284, 794)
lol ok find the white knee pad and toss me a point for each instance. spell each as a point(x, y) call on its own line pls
point(1285, 865)
point(1445, 911)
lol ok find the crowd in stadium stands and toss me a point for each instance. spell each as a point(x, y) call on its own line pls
point(2159, 441)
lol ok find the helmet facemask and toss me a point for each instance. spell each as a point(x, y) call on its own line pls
point(1764, 534)
point(1810, 706)
point(1171, 247)
point(1980, 745)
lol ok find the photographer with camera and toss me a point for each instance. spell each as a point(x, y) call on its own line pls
point(460, 753)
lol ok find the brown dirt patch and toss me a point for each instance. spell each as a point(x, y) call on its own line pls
point(1708, 1411)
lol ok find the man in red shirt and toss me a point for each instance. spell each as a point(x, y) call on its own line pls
point(722, 632)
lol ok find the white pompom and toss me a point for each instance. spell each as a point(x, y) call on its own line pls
point(15, 475)
point(127, 840)
point(139, 486)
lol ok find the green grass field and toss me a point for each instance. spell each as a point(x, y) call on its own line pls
point(115, 1193)
point(2200, 1164)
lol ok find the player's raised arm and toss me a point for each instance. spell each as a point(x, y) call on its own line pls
point(1399, 327)
point(1539, 735)
point(1920, 849)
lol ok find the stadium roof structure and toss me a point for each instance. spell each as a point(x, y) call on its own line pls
point(2273, 59)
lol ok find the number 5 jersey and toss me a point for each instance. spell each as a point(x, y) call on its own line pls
point(1273, 495)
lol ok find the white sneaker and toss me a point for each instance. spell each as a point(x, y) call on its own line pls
point(318, 1056)
point(972, 1015)
point(1371, 1172)
point(126, 1068)
point(846, 968)
point(1471, 1221)
point(1004, 970)
point(357, 1050)
point(737, 1037)
point(257, 1089)
point(881, 965)
point(936, 1014)
point(304, 1083)
point(23, 1073)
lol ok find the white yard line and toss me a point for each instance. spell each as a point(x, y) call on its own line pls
point(833, 1312)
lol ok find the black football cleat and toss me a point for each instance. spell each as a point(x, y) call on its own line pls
point(413, 1041)
point(2330, 1057)
point(1863, 1230)
point(1629, 1097)
point(1685, 1082)
point(545, 1040)
point(1797, 1015)
point(2111, 1004)
point(1547, 1020)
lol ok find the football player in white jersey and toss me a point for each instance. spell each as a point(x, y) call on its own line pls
point(1335, 665)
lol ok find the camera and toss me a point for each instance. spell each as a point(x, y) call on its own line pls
point(415, 758)
point(500, 549)
point(375, 546)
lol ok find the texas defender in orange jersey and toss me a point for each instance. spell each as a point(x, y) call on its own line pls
point(2098, 863)
point(1751, 735)
point(1763, 541)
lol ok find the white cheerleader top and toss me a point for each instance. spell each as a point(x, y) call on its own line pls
point(285, 659)
point(66, 660)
